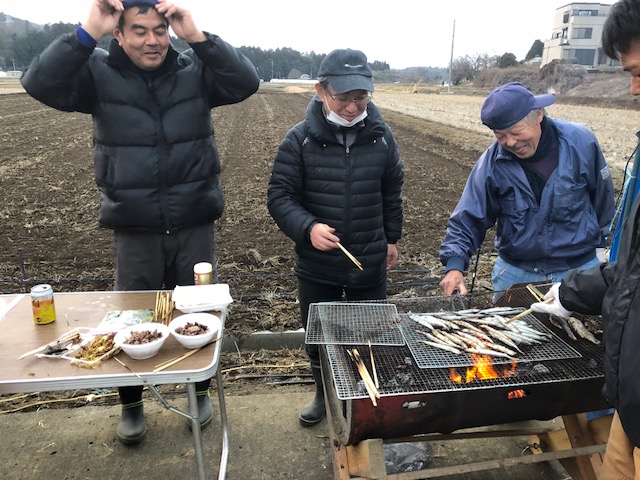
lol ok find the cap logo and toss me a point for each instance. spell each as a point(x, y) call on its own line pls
point(352, 66)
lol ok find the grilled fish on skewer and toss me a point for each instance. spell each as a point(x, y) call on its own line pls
point(432, 322)
point(441, 346)
point(491, 353)
point(502, 337)
point(562, 324)
point(581, 330)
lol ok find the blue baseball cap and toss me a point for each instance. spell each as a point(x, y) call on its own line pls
point(509, 103)
point(135, 3)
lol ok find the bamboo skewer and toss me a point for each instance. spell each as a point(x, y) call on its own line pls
point(373, 366)
point(161, 366)
point(364, 374)
point(169, 363)
point(351, 257)
point(528, 311)
point(163, 311)
point(535, 292)
point(61, 339)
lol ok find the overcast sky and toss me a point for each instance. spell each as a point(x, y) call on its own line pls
point(403, 33)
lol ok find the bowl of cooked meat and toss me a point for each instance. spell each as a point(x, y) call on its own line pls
point(195, 330)
point(143, 340)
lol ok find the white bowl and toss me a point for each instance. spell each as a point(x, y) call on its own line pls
point(145, 350)
point(212, 323)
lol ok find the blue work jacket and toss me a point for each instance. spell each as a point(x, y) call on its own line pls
point(572, 219)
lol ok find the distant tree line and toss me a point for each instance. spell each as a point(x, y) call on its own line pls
point(18, 49)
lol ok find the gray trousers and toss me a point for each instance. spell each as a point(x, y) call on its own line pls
point(151, 261)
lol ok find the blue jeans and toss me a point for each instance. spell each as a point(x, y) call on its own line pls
point(505, 275)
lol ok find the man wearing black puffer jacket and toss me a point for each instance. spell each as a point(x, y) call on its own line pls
point(337, 178)
point(156, 163)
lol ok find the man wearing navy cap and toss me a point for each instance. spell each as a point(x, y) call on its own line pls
point(337, 180)
point(156, 163)
point(544, 182)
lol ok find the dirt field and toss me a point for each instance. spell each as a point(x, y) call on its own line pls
point(49, 212)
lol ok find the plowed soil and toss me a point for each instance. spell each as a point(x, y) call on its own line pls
point(50, 200)
point(50, 208)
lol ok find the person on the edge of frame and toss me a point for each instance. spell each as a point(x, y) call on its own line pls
point(611, 289)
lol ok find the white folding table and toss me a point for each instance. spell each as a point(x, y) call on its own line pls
point(86, 309)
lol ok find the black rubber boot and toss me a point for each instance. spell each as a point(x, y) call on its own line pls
point(132, 426)
point(313, 412)
point(205, 409)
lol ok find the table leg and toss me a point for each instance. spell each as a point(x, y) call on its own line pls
point(195, 428)
point(225, 430)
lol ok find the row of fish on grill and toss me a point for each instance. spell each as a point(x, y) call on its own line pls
point(490, 331)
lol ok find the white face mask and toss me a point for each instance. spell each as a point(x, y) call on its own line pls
point(333, 117)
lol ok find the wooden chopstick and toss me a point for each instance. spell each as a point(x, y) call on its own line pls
point(373, 366)
point(62, 338)
point(364, 374)
point(161, 366)
point(163, 311)
point(535, 292)
point(169, 363)
point(528, 311)
point(351, 257)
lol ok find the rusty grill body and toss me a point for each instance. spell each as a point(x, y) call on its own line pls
point(415, 400)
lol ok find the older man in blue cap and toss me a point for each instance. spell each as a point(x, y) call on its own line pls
point(544, 182)
point(156, 163)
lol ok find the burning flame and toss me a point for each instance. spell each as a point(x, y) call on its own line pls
point(516, 394)
point(482, 369)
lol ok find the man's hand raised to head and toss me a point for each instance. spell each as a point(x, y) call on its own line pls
point(103, 18)
point(181, 22)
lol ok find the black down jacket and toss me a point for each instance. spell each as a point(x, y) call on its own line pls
point(156, 162)
point(613, 289)
point(356, 190)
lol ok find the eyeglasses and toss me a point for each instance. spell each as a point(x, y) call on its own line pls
point(344, 100)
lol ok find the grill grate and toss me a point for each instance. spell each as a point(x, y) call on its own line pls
point(399, 372)
point(344, 323)
point(431, 357)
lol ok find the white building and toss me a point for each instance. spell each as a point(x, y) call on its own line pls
point(576, 35)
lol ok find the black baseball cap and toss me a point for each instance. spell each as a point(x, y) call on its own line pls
point(346, 70)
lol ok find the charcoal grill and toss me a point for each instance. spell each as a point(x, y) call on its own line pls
point(416, 400)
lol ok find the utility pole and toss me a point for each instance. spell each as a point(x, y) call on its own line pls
point(453, 36)
point(272, 69)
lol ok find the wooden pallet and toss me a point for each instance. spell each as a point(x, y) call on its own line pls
point(579, 446)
